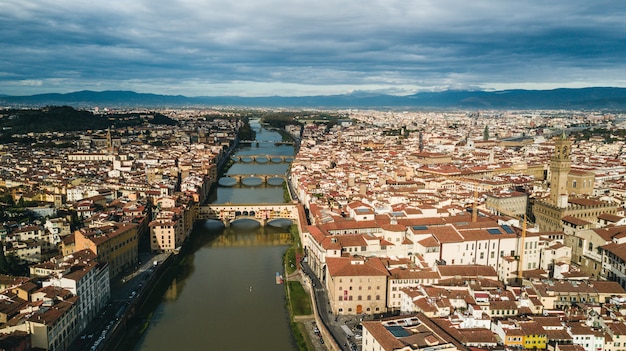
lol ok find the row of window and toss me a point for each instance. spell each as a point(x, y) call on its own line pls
point(358, 298)
point(369, 287)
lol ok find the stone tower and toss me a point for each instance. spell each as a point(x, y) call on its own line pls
point(109, 141)
point(560, 165)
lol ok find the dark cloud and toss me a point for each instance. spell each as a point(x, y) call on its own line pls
point(267, 47)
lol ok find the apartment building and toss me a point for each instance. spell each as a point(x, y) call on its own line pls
point(85, 277)
point(51, 319)
point(416, 330)
point(407, 277)
point(356, 285)
point(587, 249)
point(115, 244)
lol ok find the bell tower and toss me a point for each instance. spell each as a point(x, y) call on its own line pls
point(560, 165)
point(109, 141)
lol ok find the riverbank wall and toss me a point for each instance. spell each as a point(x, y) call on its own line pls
point(127, 327)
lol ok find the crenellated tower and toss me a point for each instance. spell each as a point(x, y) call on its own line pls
point(560, 165)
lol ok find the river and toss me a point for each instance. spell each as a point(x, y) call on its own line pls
point(226, 297)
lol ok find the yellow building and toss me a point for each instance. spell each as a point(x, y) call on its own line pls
point(534, 336)
point(115, 244)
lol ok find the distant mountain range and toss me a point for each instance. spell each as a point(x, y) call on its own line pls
point(598, 98)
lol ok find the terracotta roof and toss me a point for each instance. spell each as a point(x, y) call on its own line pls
point(467, 271)
point(618, 250)
point(610, 217)
point(355, 267)
point(575, 221)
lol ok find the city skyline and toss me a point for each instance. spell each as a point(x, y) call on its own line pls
point(251, 48)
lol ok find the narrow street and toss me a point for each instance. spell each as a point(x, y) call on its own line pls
point(335, 325)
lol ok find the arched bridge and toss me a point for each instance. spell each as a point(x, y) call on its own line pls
point(263, 177)
point(262, 158)
point(266, 141)
point(261, 213)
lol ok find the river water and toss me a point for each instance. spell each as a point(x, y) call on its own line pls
point(226, 296)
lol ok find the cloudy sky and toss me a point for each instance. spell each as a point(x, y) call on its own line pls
point(309, 47)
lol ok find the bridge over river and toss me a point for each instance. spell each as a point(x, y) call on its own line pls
point(265, 178)
point(262, 158)
point(266, 141)
point(262, 213)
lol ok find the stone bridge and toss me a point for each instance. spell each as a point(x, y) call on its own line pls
point(262, 158)
point(263, 177)
point(263, 213)
point(267, 141)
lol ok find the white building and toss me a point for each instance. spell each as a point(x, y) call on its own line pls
point(85, 278)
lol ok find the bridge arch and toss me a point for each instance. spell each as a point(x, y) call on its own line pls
point(265, 178)
point(262, 159)
point(261, 213)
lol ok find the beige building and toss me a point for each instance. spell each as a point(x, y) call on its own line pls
point(356, 285)
point(510, 203)
point(549, 214)
point(586, 247)
point(580, 182)
point(116, 244)
point(561, 294)
point(172, 223)
point(166, 234)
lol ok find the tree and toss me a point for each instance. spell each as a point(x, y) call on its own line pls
point(486, 133)
point(8, 265)
point(4, 265)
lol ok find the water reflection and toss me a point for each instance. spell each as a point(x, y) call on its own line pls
point(248, 233)
point(275, 181)
point(212, 287)
point(227, 181)
point(242, 233)
point(245, 225)
point(281, 223)
point(252, 181)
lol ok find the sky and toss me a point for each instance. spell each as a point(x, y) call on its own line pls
point(309, 47)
